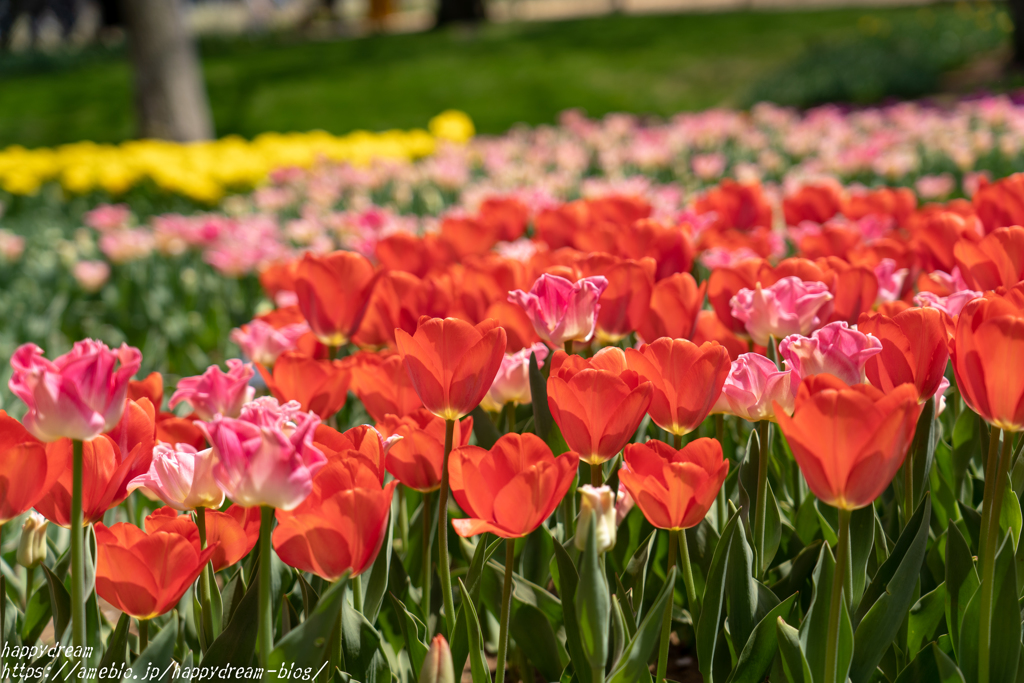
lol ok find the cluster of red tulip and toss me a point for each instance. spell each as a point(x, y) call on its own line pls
point(843, 345)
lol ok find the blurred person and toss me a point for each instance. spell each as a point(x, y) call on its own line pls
point(65, 11)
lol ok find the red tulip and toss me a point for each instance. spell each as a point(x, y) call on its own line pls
point(675, 303)
point(996, 261)
point(815, 202)
point(687, 380)
point(1001, 203)
point(849, 441)
point(318, 385)
point(597, 403)
point(710, 328)
point(452, 363)
point(625, 302)
point(674, 488)
point(333, 293)
point(417, 458)
point(169, 427)
point(232, 533)
point(341, 525)
point(397, 301)
point(382, 384)
point(898, 203)
point(914, 349)
point(28, 469)
point(511, 489)
point(145, 575)
point(363, 442)
point(736, 205)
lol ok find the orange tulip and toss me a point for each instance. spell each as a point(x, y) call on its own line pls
point(416, 460)
point(232, 533)
point(737, 205)
point(914, 349)
point(109, 463)
point(816, 202)
point(511, 489)
point(626, 300)
point(597, 403)
point(333, 292)
point(687, 380)
point(987, 349)
point(318, 385)
point(674, 488)
point(675, 303)
point(995, 261)
point(382, 384)
point(519, 330)
point(668, 245)
point(145, 575)
point(854, 291)
point(362, 441)
point(849, 441)
point(28, 469)
point(1001, 203)
point(341, 525)
point(898, 203)
point(169, 427)
point(396, 301)
point(710, 328)
point(452, 363)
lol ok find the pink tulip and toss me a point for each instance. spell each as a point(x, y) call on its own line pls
point(951, 305)
point(216, 392)
point(266, 456)
point(890, 280)
point(181, 477)
point(753, 385)
point(835, 349)
point(79, 395)
point(790, 306)
point(262, 343)
point(512, 383)
point(561, 310)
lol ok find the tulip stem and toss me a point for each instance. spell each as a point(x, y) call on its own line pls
point(666, 619)
point(506, 599)
point(722, 504)
point(761, 510)
point(510, 417)
point(838, 579)
point(30, 576)
point(205, 578)
point(692, 600)
point(143, 635)
point(357, 593)
point(442, 533)
point(266, 615)
point(77, 551)
point(568, 346)
point(991, 540)
point(428, 580)
point(596, 475)
point(677, 441)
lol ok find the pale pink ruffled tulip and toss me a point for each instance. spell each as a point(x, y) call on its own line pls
point(78, 395)
point(216, 392)
point(561, 310)
point(890, 280)
point(266, 456)
point(790, 306)
point(512, 383)
point(952, 304)
point(262, 343)
point(835, 349)
point(754, 384)
point(181, 477)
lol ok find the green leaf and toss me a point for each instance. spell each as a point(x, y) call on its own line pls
point(377, 586)
point(568, 580)
point(760, 648)
point(713, 602)
point(534, 634)
point(1010, 516)
point(814, 629)
point(924, 618)
point(748, 600)
point(593, 603)
point(483, 429)
point(361, 643)
point(633, 664)
point(477, 662)
point(1005, 646)
point(926, 437)
point(117, 645)
point(862, 541)
point(460, 642)
point(234, 591)
point(414, 633)
point(791, 655)
point(237, 643)
point(772, 530)
point(961, 582)
point(635, 576)
point(60, 601)
point(37, 616)
point(932, 665)
point(542, 419)
point(308, 644)
point(890, 595)
point(620, 636)
point(844, 655)
point(161, 649)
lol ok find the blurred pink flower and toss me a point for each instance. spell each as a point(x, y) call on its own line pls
point(890, 280)
point(512, 383)
point(91, 275)
point(126, 245)
point(108, 217)
point(11, 246)
point(216, 392)
point(263, 343)
point(952, 304)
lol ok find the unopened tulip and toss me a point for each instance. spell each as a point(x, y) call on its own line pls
point(181, 477)
point(511, 489)
point(438, 666)
point(835, 349)
point(417, 458)
point(754, 386)
point(320, 386)
point(849, 441)
point(790, 306)
point(562, 310)
point(266, 456)
point(597, 502)
point(598, 403)
point(334, 291)
point(216, 392)
point(341, 526)
point(674, 488)
point(78, 395)
point(451, 363)
point(914, 350)
point(512, 383)
point(32, 546)
point(145, 575)
point(262, 343)
point(687, 380)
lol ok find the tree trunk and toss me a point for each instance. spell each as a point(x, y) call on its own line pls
point(465, 11)
point(170, 97)
point(1016, 8)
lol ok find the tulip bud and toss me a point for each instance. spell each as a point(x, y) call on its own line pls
point(32, 547)
point(438, 666)
point(597, 501)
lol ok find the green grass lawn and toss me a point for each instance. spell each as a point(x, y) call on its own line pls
point(500, 74)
